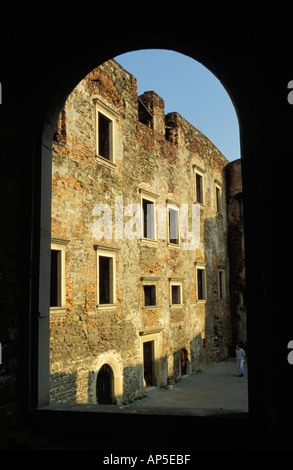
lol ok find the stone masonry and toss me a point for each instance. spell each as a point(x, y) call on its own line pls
point(133, 303)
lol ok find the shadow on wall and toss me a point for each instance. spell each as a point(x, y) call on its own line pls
point(105, 388)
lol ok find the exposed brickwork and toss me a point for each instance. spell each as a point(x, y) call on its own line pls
point(154, 153)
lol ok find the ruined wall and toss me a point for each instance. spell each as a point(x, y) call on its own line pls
point(157, 156)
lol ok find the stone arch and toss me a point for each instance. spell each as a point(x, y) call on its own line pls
point(112, 360)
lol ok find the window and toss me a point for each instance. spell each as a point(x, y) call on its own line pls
point(176, 297)
point(198, 185)
point(55, 292)
point(149, 295)
point(105, 133)
point(218, 196)
point(105, 280)
point(149, 286)
point(148, 219)
point(57, 278)
point(221, 284)
point(106, 275)
point(175, 292)
point(201, 282)
point(148, 205)
point(173, 224)
point(105, 137)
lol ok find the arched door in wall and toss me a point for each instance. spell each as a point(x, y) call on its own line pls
point(104, 385)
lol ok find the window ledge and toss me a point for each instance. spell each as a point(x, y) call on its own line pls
point(58, 310)
point(174, 245)
point(107, 306)
point(106, 162)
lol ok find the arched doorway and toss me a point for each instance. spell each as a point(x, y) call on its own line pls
point(104, 385)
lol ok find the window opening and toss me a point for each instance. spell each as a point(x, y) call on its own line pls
point(148, 219)
point(55, 285)
point(173, 226)
point(149, 295)
point(201, 288)
point(105, 126)
point(221, 284)
point(105, 280)
point(175, 292)
point(199, 188)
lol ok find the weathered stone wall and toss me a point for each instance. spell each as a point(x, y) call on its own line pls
point(157, 155)
point(236, 249)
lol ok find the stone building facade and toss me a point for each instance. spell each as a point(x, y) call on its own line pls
point(141, 233)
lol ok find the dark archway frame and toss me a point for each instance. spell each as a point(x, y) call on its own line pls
point(255, 74)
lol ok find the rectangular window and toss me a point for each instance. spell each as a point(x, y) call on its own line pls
point(55, 292)
point(105, 133)
point(105, 280)
point(176, 297)
point(201, 283)
point(148, 214)
point(173, 225)
point(199, 192)
point(105, 136)
point(176, 294)
point(148, 210)
point(57, 279)
point(106, 275)
point(221, 283)
point(198, 176)
point(149, 295)
point(218, 196)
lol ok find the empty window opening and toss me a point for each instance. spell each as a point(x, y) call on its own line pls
point(149, 295)
point(199, 188)
point(173, 226)
point(219, 200)
point(148, 219)
point(148, 363)
point(105, 280)
point(55, 292)
point(105, 137)
point(221, 284)
point(201, 284)
point(176, 294)
point(104, 386)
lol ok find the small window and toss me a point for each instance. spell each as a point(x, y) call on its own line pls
point(105, 280)
point(55, 292)
point(106, 275)
point(105, 133)
point(105, 137)
point(201, 283)
point(176, 297)
point(199, 184)
point(221, 282)
point(149, 295)
point(218, 196)
point(199, 192)
point(57, 278)
point(173, 225)
point(148, 209)
point(175, 292)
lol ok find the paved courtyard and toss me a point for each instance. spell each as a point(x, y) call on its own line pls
point(214, 389)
